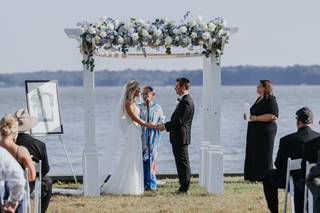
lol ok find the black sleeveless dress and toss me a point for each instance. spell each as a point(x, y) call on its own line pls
point(260, 140)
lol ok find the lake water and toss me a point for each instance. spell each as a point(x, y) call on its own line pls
point(233, 128)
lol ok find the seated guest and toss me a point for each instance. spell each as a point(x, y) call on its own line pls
point(38, 151)
point(310, 152)
point(313, 182)
point(290, 146)
point(9, 132)
point(12, 174)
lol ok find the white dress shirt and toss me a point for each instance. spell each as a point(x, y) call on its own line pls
point(12, 173)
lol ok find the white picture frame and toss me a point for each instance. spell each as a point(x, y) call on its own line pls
point(43, 103)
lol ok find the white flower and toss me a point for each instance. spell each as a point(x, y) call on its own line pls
point(103, 18)
point(157, 33)
point(92, 30)
point(131, 30)
point(201, 42)
point(107, 45)
point(177, 38)
point(194, 35)
point(212, 27)
point(145, 43)
point(103, 34)
point(206, 36)
point(222, 33)
point(120, 40)
point(204, 26)
point(168, 40)
point(98, 24)
point(158, 41)
point(185, 41)
point(103, 27)
point(183, 29)
point(116, 23)
point(192, 23)
point(145, 33)
point(97, 39)
point(199, 19)
point(89, 38)
point(176, 31)
point(82, 31)
point(135, 36)
point(110, 26)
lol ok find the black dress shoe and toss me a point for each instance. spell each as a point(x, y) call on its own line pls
point(179, 192)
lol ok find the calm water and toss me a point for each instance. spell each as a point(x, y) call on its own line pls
point(290, 98)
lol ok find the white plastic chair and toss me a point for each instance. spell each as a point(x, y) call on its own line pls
point(289, 187)
point(37, 188)
point(307, 193)
point(26, 198)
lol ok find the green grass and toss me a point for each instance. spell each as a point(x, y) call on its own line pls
point(239, 196)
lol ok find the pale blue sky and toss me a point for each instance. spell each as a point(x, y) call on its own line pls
point(271, 32)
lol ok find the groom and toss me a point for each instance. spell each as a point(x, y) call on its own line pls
point(179, 128)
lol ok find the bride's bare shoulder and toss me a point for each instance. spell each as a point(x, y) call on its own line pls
point(128, 105)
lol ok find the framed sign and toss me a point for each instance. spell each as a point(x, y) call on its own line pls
point(43, 103)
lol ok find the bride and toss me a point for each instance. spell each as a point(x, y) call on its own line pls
point(125, 142)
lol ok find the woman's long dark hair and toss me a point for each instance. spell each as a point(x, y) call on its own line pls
point(267, 85)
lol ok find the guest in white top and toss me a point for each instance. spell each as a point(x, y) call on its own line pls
point(12, 173)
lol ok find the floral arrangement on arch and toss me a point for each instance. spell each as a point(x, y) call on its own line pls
point(117, 36)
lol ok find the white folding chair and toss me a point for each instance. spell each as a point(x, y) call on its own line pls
point(37, 188)
point(26, 198)
point(289, 187)
point(307, 193)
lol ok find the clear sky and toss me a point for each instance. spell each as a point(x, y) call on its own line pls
point(271, 32)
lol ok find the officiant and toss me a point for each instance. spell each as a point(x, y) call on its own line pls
point(151, 112)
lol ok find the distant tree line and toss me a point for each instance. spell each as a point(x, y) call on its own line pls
point(236, 75)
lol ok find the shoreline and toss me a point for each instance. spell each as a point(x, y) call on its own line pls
point(69, 178)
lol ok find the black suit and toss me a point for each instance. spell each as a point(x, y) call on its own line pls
point(38, 151)
point(290, 146)
point(180, 137)
point(313, 182)
point(310, 152)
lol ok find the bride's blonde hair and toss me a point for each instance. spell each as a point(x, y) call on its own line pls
point(131, 88)
point(9, 125)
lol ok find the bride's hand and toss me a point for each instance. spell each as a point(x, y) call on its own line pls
point(152, 126)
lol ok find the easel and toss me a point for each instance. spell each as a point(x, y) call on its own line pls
point(43, 105)
point(65, 152)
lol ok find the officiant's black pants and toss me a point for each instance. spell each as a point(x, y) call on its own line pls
point(181, 157)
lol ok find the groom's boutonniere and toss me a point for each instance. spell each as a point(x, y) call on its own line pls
point(177, 101)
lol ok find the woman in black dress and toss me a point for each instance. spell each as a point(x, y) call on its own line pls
point(261, 132)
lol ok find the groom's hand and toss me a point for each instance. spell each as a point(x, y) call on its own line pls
point(162, 127)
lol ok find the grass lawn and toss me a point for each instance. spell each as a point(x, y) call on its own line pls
point(239, 197)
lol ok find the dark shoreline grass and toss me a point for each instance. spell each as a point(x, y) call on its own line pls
point(239, 196)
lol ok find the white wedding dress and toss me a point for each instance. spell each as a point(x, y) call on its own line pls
point(127, 174)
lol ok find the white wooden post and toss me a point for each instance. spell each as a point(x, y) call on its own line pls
point(90, 152)
point(90, 161)
point(211, 121)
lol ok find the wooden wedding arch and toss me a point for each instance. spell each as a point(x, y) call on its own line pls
point(211, 149)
